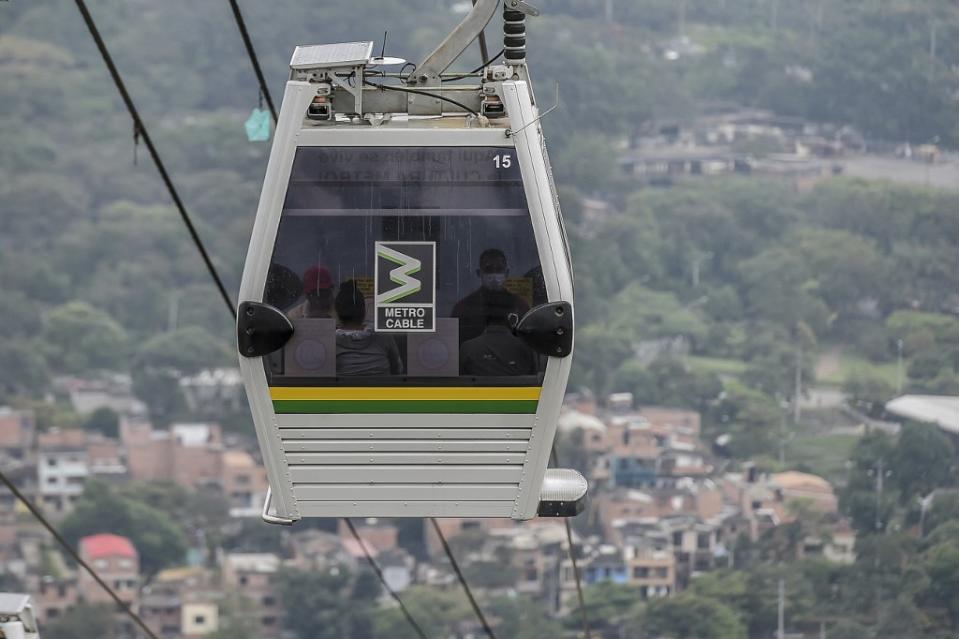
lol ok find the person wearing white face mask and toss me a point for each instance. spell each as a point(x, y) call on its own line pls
point(473, 310)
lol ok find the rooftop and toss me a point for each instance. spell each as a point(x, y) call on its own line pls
point(107, 545)
point(942, 410)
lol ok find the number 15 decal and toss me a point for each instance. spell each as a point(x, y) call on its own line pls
point(503, 160)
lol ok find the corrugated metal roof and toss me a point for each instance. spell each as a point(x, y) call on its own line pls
point(942, 410)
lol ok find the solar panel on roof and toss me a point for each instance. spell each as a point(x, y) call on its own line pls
point(343, 54)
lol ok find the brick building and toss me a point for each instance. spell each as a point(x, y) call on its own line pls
point(116, 561)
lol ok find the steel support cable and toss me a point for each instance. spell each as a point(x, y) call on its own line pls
point(379, 573)
point(125, 607)
point(572, 559)
point(254, 60)
point(462, 579)
point(140, 130)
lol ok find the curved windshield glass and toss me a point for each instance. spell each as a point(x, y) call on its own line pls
point(404, 265)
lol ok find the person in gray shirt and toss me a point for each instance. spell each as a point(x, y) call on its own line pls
point(359, 349)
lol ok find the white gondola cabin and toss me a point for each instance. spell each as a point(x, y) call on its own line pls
point(406, 310)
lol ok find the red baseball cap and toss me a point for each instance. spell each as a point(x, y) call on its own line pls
point(317, 278)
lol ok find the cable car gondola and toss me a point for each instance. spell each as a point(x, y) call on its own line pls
point(406, 314)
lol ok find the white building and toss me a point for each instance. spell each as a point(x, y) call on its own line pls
point(62, 469)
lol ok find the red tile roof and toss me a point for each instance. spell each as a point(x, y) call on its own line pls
point(106, 545)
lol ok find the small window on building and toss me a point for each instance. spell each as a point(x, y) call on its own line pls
point(52, 461)
point(269, 621)
point(269, 601)
point(243, 580)
point(640, 572)
point(199, 620)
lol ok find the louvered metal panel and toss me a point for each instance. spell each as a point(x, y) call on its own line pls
point(443, 458)
point(427, 492)
point(412, 474)
point(405, 508)
point(404, 445)
point(522, 434)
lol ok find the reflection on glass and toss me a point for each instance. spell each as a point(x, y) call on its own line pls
point(491, 299)
point(360, 350)
point(340, 202)
point(496, 351)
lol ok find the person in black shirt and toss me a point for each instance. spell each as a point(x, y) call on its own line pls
point(496, 351)
point(490, 299)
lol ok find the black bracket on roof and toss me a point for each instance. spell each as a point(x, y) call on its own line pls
point(261, 329)
point(547, 328)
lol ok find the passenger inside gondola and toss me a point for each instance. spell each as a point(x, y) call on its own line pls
point(318, 292)
point(359, 350)
point(491, 298)
point(497, 351)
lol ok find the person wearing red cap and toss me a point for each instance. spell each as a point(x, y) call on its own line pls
point(318, 290)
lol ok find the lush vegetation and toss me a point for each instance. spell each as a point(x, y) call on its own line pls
point(852, 282)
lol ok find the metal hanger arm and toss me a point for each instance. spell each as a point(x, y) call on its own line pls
point(455, 43)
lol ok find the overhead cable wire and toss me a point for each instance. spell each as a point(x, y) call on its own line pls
point(379, 573)
point(462, 579)
point(426, 93)
point(477, 69)
point(141, 131)
point(572, 558)
point(125, 607)
point(254, 60)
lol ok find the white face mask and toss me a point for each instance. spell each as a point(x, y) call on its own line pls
point(493, 281)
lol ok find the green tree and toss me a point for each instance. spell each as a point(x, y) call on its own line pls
point(922, 460)
point(320, 605)
point(103, 420)
point(520, 617)
point(79, 338)
point(157, 536)
point(162, 360)
point(441, 613)
point(608, 606)
point(23, 369)
point(858, 499)
point(82, 622)
point(869, 394)
point(689, 615)
point(942, 565)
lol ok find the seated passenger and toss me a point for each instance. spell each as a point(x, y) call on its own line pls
point(473, 309)
point(360, 350)
point(497, 351)
point(318, 289)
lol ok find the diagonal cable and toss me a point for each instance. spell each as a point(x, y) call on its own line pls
point(572, 559)
point(141, 130)
point(125, 607)
point(379, 573)
point(254, 60)
point(459, 575)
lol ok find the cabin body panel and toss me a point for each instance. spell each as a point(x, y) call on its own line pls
point(430, 440)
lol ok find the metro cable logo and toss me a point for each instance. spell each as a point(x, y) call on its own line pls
point(404, 303)
point(399, 275)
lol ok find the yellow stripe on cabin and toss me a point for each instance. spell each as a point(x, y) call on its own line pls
point(419, 393)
